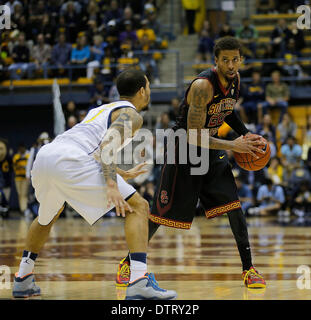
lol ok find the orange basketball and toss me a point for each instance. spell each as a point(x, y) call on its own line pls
point(249, 163)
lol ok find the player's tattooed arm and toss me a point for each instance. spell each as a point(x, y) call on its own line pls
point(128, 121)
point(200, 94)
point(124, 126)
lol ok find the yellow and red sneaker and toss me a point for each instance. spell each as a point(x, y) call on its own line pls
point(123, 274)
point(252, 278)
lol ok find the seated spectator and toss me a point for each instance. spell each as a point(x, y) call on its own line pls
point(92, 13)
point(21, 58)
point(127, 57)
point(226, 31)
point(37, 9)
point(275, 170)
point(265, 6)
point(26, 27)
point(16, 14)
point(128, 16)
point(97, 55)
point(12, 5)
point(291, 154)
point(19, 165)
point(266, 128)
point(61, 53)
point(146, 61)
point(268, 68)
point(297, 35)
point(47, 29)
point(291, 67)
point(42, 55)
point(298, 176)
point(146, 31)
point(278, 37)
point(71, 110)
point(113, 13)
point(154, 24)
point(252, 94)
point(112, 38)
point(277, 95)
point(80, 56)
point(129, 34)
point(248, 36)
point(270, 199)
point(245, 194)
point(286, 128)
point(206, 43)
point(98, 93)
point(71, 122)
point(163, 121)
point(72, 21)
point(301, 199)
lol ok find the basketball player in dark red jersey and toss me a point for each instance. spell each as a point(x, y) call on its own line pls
point(209, 101)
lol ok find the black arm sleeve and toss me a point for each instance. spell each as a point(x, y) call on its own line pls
point(234, 121)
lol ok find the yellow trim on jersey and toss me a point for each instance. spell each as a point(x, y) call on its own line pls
point(98, 113)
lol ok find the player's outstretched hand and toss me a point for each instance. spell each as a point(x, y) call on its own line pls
point(134, 172)
point(115, 198)
point(248, 144)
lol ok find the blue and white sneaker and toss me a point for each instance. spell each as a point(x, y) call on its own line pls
point(25, 287)
point(147, 288)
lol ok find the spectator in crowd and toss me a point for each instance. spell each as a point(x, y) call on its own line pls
point(147, 62)
point(270, 199)
point(174, 109)
point(37, 10)
point(275, 170)
point(21, 58)
point(226, 31)
point(245, 194)
point(154, 24)
point(146, 31)
point(72, 21)
point(19, 165)
point(297, 35)
point(82, 115)
point(248, 36)
point(92, 13)
point(206, 43)
point(17, 14)
point(99, 93)
point(71, 122)
point(42, 55)
point(252, 94)
point(297, 176)
point(268, 68)
point(265, 6)
point(61, 54)
point(286, 128)
point(6, 168)
point(301, 199)
point(97, 55)
point(291, 67)
point(129, 34)
point(128, 16)
point(190, 7)
point(12, 5)
point(278, 37)
point(80, 56)
point(71, 110)
point(114, 12)
point(266, 128)
point(47, 29)
point(112, 38)
point(163, 121)
point(291, 153)
point(277, 95)
point(24, 26)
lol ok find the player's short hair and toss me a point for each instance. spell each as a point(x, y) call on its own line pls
point(130, 81)
point(227, 43)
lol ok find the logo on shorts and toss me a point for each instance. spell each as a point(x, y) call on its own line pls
point(221, 157)
point(164, 197)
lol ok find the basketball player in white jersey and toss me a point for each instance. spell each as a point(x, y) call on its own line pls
point(74, 169)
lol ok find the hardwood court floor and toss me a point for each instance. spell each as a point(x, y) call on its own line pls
point(80, 262)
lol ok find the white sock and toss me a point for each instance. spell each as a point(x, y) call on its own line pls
point(138, 270)
point(26, 266)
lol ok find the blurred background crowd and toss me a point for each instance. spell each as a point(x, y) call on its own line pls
point(101, 38)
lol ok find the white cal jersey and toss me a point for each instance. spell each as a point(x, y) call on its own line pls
point(89, 133)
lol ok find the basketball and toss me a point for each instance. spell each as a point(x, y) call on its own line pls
point(248, 162)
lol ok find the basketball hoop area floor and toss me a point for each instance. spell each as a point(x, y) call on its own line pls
point(203, 263)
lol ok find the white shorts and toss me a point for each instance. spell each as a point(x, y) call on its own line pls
point(62, 172)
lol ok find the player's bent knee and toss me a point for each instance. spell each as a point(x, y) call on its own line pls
point(139, 205)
